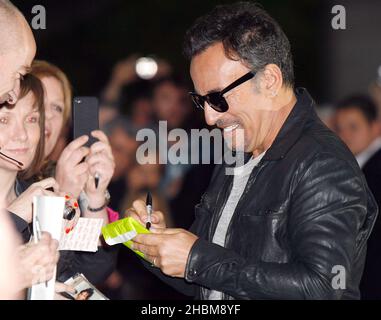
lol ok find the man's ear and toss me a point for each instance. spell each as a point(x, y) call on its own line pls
point(272, 80)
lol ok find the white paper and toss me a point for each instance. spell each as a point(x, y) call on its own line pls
point(84, 237)
point(49, 211)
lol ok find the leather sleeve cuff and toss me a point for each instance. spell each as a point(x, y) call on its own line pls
point(203, 258)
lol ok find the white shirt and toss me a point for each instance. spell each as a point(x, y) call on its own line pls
point(241, 176)
point(364, 156)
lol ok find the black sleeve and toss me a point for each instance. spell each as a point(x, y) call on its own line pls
point(96, 266)
point(21, 225)
point(328, 208)
point(179, 284)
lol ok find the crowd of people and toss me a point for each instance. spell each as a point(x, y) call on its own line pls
point(36, 130)
point(40, 157)
point(128, 104)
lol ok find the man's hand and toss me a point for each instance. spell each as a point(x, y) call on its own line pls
point(71, 174)
point(139, 213)
point(22, 205)
point(37, 261)
point(167, 249)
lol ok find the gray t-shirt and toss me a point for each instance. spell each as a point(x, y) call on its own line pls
point(241, 176)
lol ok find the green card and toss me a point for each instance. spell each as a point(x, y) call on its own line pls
point(123, 231)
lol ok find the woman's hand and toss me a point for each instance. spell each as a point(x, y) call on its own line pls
point(70, 224)
point(22, 206)
point(100, 162)
point(71, 174)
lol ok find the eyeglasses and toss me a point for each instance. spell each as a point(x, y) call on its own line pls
point(216, 99)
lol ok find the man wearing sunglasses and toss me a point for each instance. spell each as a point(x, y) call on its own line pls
point(293, 222)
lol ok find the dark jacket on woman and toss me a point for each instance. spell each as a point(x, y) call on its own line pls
point(95, 266)
point(300, 229)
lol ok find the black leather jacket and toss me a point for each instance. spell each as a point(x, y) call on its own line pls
point(306, 209)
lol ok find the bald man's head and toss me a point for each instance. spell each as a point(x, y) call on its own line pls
point(17, 50)
point(10, 31)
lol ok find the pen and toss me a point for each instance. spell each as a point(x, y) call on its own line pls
point(38, 238)
point(149, 209)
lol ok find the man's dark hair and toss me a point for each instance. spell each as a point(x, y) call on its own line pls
point(247, 33)
point(361, 102)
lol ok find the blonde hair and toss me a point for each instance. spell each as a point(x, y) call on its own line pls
point(41, 68)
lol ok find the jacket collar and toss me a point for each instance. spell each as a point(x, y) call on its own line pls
point(293, 126)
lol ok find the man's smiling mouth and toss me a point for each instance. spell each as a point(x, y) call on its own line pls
point(231, 128)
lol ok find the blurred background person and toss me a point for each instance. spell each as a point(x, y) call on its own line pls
point(125, 72)
point(172, 105)
point(183, 183)
point(357, 123)
point(375, 91)
point(135, 103)
point(122, 136)
point(127, 92)
point(142, 178)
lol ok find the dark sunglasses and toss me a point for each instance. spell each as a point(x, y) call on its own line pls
point(216, 99)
